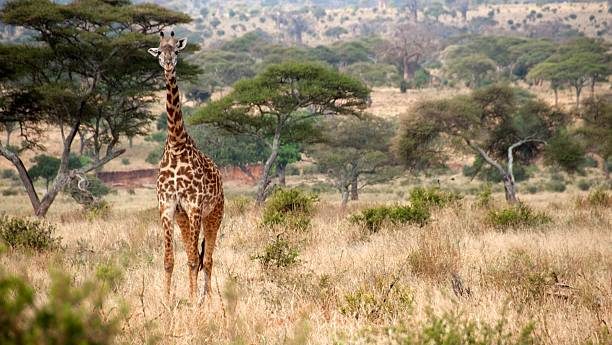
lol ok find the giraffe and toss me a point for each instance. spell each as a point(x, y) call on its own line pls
point(189, 185)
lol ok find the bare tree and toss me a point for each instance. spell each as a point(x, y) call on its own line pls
point(410, 43)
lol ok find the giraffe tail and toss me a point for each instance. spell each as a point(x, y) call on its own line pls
point(201, 264)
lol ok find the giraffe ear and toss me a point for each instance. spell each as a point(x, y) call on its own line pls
point(154, 51)
point(180, 45)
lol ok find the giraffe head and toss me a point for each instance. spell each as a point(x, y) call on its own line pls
point(168, 49)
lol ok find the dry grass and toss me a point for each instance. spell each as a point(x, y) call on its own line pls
point(558, 276)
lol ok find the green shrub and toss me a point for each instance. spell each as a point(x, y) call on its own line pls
point(9, 192)
point(555, 186)
point(519, 215)
point(484, 197)
point(125, 161)
point(374, 217)
point(381, 299)
point(278, 254)
point(28, 233)
point(289, 207)
point(155, 156)
point(432, 197)
point(99, 209)
point(8, 173)
point(157, 137)
point(531, 189)
point(68, 314)
point(584, 185)
point(596, 198)
point(454, 329)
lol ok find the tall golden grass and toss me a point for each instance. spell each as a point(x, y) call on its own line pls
point(347, 284)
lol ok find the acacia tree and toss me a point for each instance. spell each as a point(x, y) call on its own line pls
point(596, 128)
point(354, 153)
point(279, 99)
point(494, 123)
point(578, 64)
point(87, 71)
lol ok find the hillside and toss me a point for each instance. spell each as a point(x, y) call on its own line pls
point(215, 22)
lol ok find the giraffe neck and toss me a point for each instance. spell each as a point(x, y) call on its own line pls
point(177, 135)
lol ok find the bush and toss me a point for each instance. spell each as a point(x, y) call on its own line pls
point(484, 197)
point(374, 217)
point(381, 299)
point(278, 254)
point(8, 173)
point(289, 207)
point(155, 156)
point(432, 197)
point(99, 209)
point(519, 215)
point(9, 192)
point(596, 198)
point(28, 233)
point(125, 161)
point(452, 328)
point(68, 315)
point(584, 185)
point(157, 137)
point(554, 185)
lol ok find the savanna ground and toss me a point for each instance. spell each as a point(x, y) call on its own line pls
point(346, 285)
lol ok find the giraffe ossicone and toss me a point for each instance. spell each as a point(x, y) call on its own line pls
point(189, 185)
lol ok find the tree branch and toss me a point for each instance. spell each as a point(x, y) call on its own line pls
point(511, 155)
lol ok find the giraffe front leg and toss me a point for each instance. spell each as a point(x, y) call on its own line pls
point(167, 214)
point(190, 240)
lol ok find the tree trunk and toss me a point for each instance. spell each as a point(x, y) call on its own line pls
point(556, 97)
point(82, 143)
point(578, 91)
point(280, 173)
point(406, 63)
point(354, 189)
point(510, 189)
point(593, 80)
point(130, 142)
point(265, 177)
point(8, 137)
point(345, 195)
point(23, 175)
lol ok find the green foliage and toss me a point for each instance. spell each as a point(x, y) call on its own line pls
point(28, 233)
point(125, 161)
point(596, 129)
point(484, 197)
point(454, 329)
point(598, 197)
point(380, 300)
point(421, 79)
point(155, 155)
point(584, 184)
point(46, 167)
point(432, 197)
point(564, 151)
point(278, 254)
point(8, 173)
point(291, 208)
point(9, 192)
point(378, 74)
point(99, 209)
point(66, 315)
point(374, 218)
point(517, 216)
point(476, 70)
point(554, 185)
point(158, 137)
